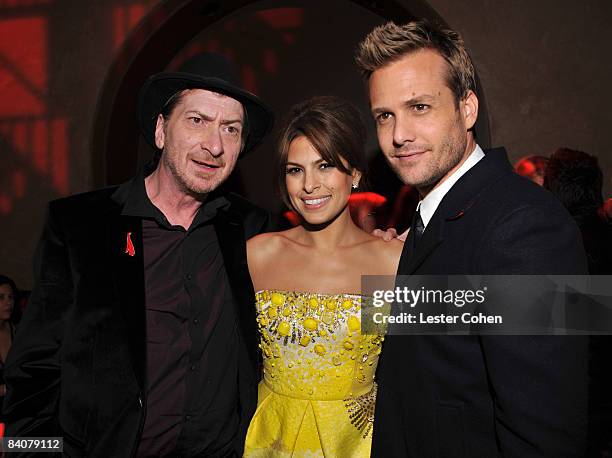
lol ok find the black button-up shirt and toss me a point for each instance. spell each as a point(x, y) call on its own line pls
point(192, 336)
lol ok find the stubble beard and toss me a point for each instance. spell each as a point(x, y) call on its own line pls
point(190, 185)
point(444, 158)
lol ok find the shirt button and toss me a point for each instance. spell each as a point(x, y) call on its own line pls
point(187, 417)
point(193, 367)
point(188, 276)
point(196, 321)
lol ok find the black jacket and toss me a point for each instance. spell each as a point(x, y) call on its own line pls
point(487, 396)
point(77, 366)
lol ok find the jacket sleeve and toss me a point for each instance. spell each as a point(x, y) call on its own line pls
point(539, 382)
point(256, 220)
point(32, 369)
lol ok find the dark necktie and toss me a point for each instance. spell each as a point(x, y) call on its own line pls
point(416, 228)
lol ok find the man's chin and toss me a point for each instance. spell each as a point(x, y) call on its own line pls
point(201, 189)
point(199, 185)
point(416, 181)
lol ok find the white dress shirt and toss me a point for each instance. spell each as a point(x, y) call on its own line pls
point(430, 203)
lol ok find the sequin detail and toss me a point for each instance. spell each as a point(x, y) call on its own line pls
point(361, 410)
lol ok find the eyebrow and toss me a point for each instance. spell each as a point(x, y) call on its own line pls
point(412, 101)
point(209, 118)
point(300, 165)
point(420, 99)
point(232, 121)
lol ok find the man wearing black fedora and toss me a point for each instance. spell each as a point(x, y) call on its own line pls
point(140, 335)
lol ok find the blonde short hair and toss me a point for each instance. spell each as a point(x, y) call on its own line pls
point(390, 42)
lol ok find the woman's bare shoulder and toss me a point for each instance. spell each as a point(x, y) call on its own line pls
point(387, 254)
point(393, 246)
point(264, 252)
point(268, 244)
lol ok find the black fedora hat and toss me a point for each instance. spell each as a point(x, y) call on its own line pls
point(203, 71)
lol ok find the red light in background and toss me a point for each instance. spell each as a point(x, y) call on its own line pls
point(39, 142)
point(6, 204)
point(20, 136)
point(40, 139)
point(135, 14)
point(23, 66)
point(23, 111)
point(292, 217)
point(59, 155)
point(118, 26)
point(526, 168)
point(44, 142)
point(125, 19)
point(371, 199)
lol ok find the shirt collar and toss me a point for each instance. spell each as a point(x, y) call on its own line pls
point(138, 203)
point(430, 203)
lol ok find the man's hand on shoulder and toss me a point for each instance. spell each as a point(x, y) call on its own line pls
point(390, 234)
point(387, 235)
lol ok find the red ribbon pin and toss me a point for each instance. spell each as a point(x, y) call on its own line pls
point(129, 246)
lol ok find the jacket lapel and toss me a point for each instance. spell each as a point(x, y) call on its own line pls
point(430, 240)
point(455, 204)
point(127, 264)
point(230, 232)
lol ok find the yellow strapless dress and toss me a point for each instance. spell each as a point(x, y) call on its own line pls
point(317, 395)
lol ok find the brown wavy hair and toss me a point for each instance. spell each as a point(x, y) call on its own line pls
point(334, 128)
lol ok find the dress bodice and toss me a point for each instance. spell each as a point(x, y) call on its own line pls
point(313, 347)
point(318, 395)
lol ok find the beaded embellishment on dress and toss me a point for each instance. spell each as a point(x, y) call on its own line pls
point(361, 410)
point(318, 392)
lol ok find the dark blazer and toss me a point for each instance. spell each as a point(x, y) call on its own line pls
point(77, 366)
point(487, 396)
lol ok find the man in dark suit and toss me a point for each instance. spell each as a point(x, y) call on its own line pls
point(140, 336)
point(468, 396)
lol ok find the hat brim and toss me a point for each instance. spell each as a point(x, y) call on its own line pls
point(160, 87)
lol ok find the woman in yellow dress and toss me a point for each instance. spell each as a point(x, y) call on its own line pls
point(317, 395)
